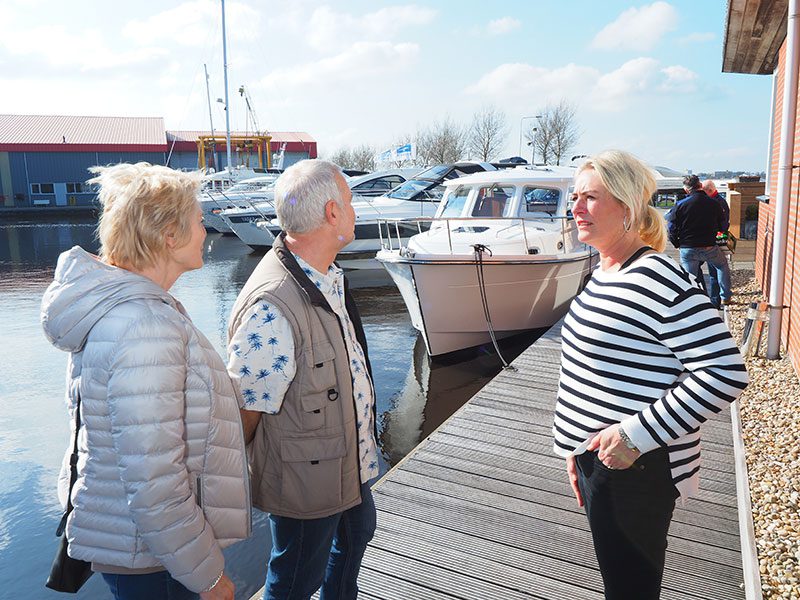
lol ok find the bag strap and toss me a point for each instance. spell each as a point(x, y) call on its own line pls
point(73, 468)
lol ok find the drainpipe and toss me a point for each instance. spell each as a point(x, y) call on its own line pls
point(771, 139)
point(781, 229)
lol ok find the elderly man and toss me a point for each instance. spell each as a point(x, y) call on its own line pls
point(298, 351)
point(710, 188)
point(693, 229)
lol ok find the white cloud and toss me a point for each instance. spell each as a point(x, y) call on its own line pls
point(193, 23)
point(697, 38)
point(85, 50)
point(637, 29)
point(328, 30)
point(531, 85)
point(503, 25)
point(523, 86)
point(361, 62)
point(679, 79)
point(614, 90)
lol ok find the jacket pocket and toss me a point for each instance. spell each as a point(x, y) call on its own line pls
point(321, 372)
point(311, 480)
point(314, 410)
point(196, 485)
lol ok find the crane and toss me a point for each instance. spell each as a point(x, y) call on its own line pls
point(251, 113)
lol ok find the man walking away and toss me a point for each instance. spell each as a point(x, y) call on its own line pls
point(693, 229)
point(298, 351)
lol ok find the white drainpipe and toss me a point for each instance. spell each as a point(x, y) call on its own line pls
point(781, 228)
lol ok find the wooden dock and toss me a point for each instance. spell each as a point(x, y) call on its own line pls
point(482, 508)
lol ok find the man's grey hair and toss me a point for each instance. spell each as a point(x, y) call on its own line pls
point(301, 193)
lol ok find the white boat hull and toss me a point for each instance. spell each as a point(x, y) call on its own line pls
point(444, 300)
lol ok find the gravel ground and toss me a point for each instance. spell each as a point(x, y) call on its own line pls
point(770, 410)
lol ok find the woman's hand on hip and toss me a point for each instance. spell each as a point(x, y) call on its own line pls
point(222, 591)
point(611, 450)
point(572, 472)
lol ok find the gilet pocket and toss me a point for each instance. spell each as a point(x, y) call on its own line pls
point(311, 479)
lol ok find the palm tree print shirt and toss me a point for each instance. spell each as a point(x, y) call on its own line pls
point(261, 357)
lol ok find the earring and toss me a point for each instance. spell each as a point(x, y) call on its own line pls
point(626, 225)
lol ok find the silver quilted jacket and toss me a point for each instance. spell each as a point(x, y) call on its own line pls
point(162, 471)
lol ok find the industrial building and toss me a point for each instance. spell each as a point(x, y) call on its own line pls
point(44, 159)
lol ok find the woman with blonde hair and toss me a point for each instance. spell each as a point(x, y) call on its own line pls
point(645, 361)
point(161, 476)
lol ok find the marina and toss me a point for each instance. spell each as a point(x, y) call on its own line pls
point(415, 395)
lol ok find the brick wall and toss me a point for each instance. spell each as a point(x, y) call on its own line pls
point(790, 327)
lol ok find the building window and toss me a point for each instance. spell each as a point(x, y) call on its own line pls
point(42, 188)
point(75, 188)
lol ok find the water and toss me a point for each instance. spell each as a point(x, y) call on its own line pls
point(414, 394)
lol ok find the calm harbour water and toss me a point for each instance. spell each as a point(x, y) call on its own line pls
point(414, 394)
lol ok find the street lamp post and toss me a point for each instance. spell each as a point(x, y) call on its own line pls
point(532, 144)
point(520, 129)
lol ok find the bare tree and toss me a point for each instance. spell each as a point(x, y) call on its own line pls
point(556, 132)
point(343, 157)
point(442, 142)
point(487, 133)
point(361, 157)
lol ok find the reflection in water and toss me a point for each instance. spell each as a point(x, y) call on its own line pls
point(434, 389)
point(414, 394)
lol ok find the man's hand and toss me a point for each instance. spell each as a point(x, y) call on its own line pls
point(250, 420)
point(611, 450)
point(222, 591)
point(572, 472)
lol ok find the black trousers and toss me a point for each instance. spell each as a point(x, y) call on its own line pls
point(629, 514)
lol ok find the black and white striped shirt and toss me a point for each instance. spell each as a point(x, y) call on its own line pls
point(644, 347)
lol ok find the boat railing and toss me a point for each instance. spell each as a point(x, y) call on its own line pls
point(391, 238)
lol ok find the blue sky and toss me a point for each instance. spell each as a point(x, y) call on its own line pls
point(644, 76)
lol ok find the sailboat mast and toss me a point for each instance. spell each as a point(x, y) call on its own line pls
point(227, 105)
point(211, 119)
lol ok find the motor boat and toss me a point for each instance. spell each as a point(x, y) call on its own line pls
point(241, 197)
point(500, 256)
point(418, 196)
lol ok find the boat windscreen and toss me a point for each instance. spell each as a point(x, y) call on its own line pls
point(413, 189)
point(436, 172)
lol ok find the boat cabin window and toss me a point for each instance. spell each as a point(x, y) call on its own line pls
point(540, 202)
point(455, 201)
point(494, 201)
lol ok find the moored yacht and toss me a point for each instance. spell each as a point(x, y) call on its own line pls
point(500, 256)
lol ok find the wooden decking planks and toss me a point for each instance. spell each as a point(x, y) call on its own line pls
point(482, 508)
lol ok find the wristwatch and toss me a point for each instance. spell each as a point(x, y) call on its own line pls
point(627, 441)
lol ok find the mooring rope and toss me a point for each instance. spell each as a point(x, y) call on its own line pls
point(479, 250)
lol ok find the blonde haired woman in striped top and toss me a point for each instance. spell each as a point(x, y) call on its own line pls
point(645, 360)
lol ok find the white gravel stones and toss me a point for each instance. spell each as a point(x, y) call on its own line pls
point(770, 410)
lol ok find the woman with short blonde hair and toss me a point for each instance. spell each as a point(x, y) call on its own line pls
point(161, 481)
point(645, 361)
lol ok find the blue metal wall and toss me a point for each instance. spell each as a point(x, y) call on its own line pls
point(65, 167)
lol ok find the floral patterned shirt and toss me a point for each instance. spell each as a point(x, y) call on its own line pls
point(261, 358)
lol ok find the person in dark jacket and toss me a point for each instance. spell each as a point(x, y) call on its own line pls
point(710, 188)
point(693, 228)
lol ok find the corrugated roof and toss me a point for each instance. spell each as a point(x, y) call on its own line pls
point(277, 136)
point(56, 129)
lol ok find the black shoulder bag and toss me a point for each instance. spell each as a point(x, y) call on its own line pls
point(68, 574)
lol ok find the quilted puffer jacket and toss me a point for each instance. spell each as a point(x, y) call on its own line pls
point(162, 471)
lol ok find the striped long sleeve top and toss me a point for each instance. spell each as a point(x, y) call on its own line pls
point(644, 347)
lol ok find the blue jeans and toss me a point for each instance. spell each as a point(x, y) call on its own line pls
point(147, 587)
point(691, 258)
point(327, 552)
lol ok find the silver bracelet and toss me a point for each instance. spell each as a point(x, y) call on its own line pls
point(216, 581)
point(627, 441)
